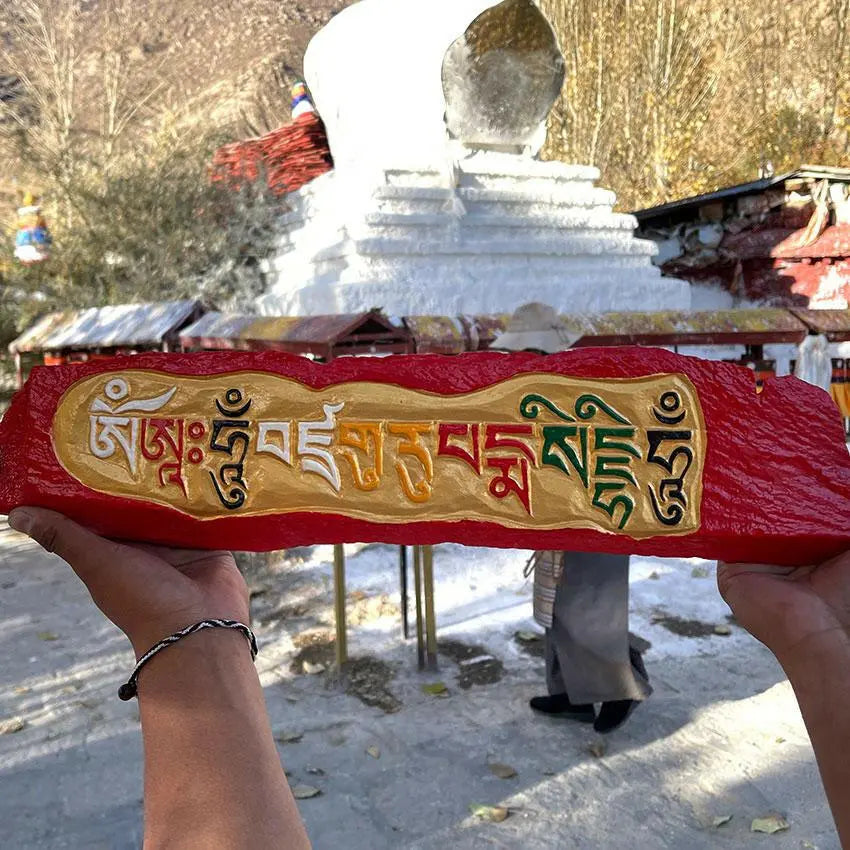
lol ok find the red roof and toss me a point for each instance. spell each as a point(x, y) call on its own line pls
point(290, 156)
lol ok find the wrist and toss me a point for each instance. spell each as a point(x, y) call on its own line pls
point(828, 649)
point(145, 635)
point(197, 666)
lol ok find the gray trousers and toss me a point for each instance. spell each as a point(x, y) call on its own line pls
point(588, 655)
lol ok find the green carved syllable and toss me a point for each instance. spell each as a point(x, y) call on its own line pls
point(556, 448)
point(627, 502)
point(587, 406)
point(561, 452)
point(530, 408)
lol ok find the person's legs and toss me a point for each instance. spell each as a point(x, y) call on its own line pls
point(558, 701)
point(554, 681)
point(590, 638)
point(590, 631)
point(614, 713)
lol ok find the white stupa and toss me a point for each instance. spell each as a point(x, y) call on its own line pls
point(435, 111)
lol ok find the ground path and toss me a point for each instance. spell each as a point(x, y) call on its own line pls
point(720, 737)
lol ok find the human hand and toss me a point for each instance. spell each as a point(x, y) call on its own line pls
point(790, 609)
point(149, 592)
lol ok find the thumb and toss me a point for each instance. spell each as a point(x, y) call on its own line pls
point(88, 554)
point(725, 575)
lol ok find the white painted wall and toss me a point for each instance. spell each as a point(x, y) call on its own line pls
point(375, 73)
point(509, 231)
point(415, 224)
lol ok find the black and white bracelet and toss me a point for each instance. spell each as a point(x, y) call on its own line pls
point(130, 689)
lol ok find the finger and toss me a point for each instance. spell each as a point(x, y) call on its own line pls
point(764, 569)
point(179, 557)
point(91, 557)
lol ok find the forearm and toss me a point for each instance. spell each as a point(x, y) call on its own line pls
point(818, 673)
point(213, 777)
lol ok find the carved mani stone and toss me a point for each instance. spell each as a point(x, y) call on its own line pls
point(603, 450)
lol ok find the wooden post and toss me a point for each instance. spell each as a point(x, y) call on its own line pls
point(339, 604)
point(430, 616)
point(402, 575)
point(417, 580)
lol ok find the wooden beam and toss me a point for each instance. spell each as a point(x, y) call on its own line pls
point(402, 574)
point(430, 616)
point(339, 606)
point(417, 580)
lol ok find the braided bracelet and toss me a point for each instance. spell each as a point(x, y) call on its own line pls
point(130, 689)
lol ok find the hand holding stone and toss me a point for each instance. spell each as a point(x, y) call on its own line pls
point(794, 611)
point(149, 592)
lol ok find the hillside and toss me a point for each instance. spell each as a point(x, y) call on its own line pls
point(224, 65)
point(700, 94)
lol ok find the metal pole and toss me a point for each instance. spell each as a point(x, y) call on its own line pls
point(402, 574)
point(339, 605)
point(417, 580)
point(430, 616)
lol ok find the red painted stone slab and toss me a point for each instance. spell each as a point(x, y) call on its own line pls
point(775, 483)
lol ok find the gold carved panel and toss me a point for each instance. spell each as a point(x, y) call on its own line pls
point(536, 451)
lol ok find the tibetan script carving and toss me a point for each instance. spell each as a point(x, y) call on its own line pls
point(537, 451)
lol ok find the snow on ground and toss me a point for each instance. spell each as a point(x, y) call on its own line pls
point(483, 594)
point(395, 765)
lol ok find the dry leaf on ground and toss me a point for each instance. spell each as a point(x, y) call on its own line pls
point(288, 737)
point(770, 824)
point(374, 752)
point(494, 814)
point(503, 771)
point(721, 820)
point(598, 749)
point(12, 725)
point(436, 689)
point(305, 792)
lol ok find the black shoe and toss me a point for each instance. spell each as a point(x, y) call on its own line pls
point(614, 714)
point(560, 706)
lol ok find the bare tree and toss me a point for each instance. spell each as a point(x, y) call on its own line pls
point(133, 210)
point(43, 51)
point(671, 97)
point(125, 93)
point(82, 95)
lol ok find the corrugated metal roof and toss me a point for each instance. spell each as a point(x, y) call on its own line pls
point(106, 327)
point(453, 335)
point(834, 323)
point(680, 328)
point(30, 339)
point(217, 326)
point(324, 330)
point(482, 330)
point(675, 322)
point(437, 334)
point(813, 172)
